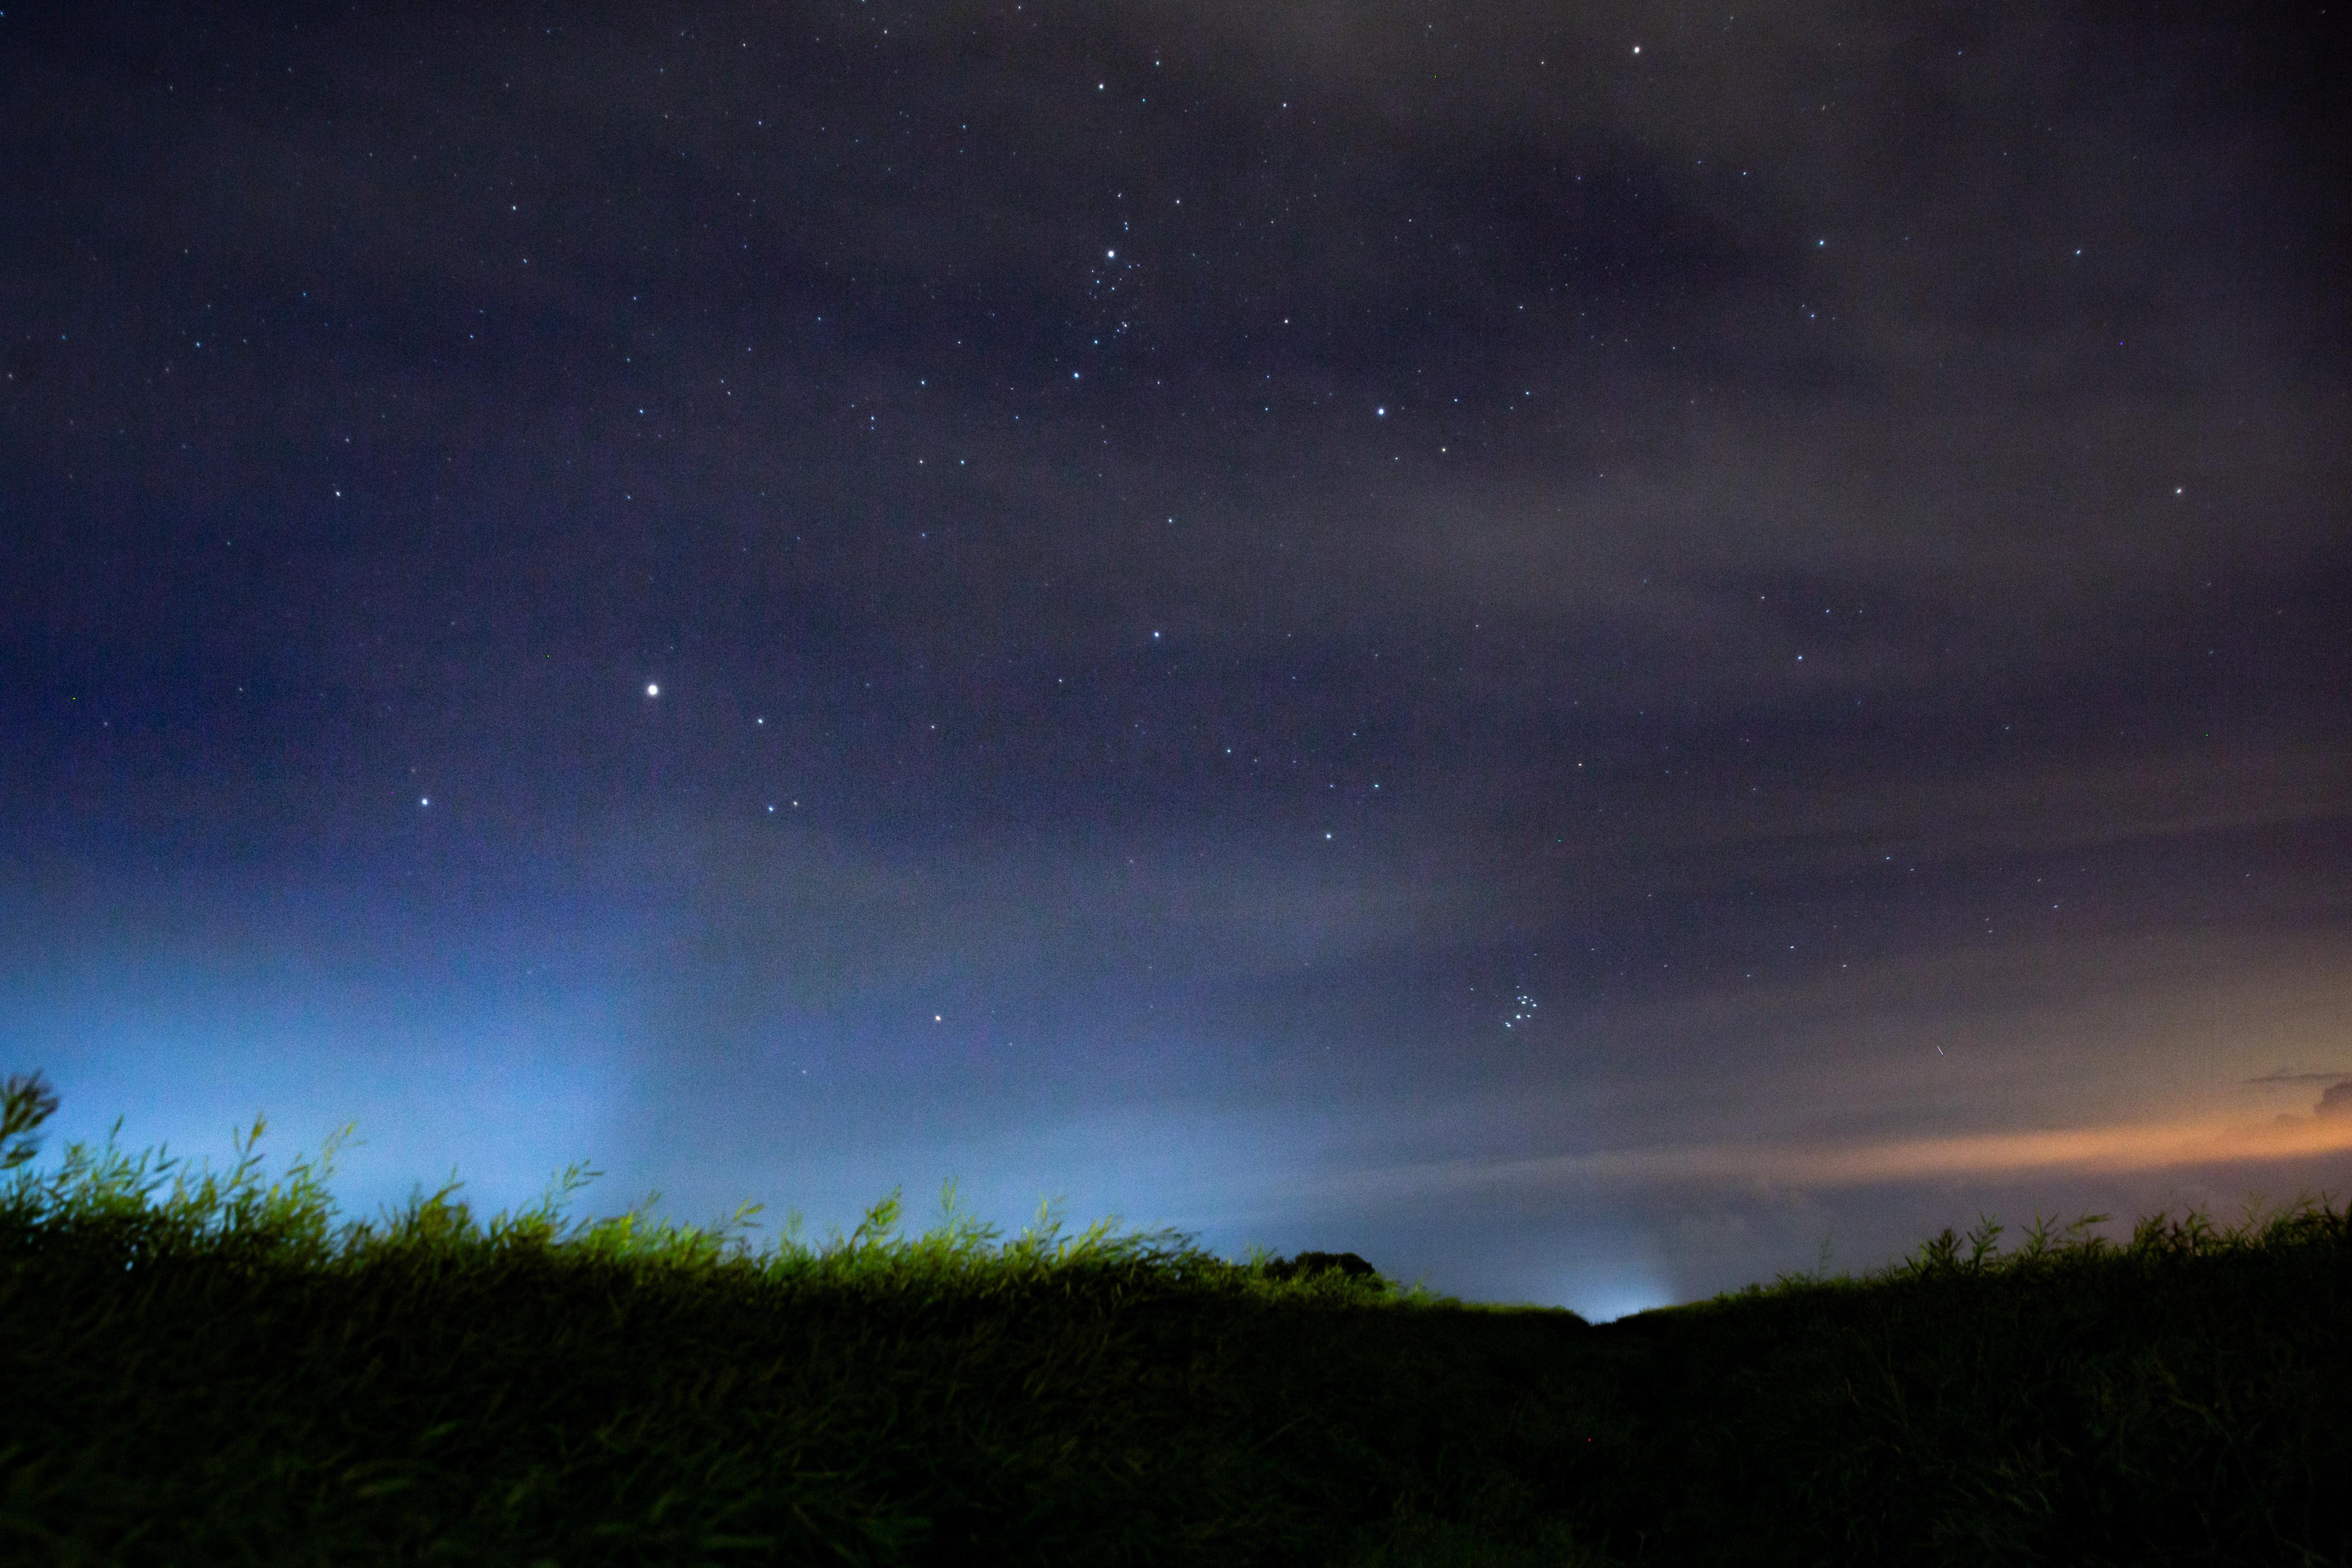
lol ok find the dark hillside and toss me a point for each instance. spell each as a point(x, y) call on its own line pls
point(211, 1368)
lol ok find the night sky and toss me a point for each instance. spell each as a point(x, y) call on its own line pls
point(1594, 651)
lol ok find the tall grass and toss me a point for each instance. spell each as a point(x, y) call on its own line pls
point(200, 1365)
point(2183, 1395)
point(152, 1202)
point(217, 1365)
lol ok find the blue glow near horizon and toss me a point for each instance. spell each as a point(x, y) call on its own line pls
point(506, 1070)
point(1621, 1297)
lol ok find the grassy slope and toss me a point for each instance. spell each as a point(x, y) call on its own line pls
point(2185, 1398)
point(214, 1369)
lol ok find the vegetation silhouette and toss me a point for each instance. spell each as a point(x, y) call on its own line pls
point(200, 1365)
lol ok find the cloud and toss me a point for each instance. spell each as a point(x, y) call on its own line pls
point(2080, 1150)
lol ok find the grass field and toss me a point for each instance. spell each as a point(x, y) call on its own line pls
point(201, 1367)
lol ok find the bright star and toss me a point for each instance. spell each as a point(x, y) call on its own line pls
point(652, 690)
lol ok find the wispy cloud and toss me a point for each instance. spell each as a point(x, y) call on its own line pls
point(2094, 1149)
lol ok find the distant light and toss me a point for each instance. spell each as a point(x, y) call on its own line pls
point(424, 800)
point(1382, 413)
point(652, 690)
point(1637, 48)
point(1605, 1299)
point(935, 1019)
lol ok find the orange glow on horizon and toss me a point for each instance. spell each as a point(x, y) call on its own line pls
point(2129, 1147)
point(2124, 1147)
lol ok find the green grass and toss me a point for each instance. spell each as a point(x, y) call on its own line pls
point(215, 1367)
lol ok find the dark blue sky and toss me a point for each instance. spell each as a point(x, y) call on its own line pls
point(1572, 649)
